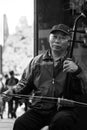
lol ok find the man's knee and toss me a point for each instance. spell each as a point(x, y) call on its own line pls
point(61, 123)
point(17, 124)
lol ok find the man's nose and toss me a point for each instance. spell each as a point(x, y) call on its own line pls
point(58, 39)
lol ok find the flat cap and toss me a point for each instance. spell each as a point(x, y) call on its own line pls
point(60, 27)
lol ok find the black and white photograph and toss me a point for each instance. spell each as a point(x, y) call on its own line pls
point(43, 64)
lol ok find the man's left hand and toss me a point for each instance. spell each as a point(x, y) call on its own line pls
point(69, 66)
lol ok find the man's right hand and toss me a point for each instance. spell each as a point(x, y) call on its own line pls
point(7, 95)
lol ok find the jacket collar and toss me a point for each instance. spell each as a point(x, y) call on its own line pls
point(48, 56)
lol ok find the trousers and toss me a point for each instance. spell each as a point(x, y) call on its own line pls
point(35, 120)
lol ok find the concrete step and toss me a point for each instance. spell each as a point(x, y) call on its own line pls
point(6, 124)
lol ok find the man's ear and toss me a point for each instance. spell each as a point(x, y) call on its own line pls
point(69, 39)
point(48, 39)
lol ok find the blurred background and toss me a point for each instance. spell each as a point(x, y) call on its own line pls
point(16, 34)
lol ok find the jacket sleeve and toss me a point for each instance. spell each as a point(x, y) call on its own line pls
point(80, 74)
point(25, 85)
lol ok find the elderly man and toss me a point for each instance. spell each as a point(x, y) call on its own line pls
point(46, 75)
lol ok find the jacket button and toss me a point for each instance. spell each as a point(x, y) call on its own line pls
point(53, 81)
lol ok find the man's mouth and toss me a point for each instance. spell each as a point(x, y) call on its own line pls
point(56, 46)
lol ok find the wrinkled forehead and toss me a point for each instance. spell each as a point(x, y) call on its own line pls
point(59, 33)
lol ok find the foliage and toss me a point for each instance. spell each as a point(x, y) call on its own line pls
point(18, 48)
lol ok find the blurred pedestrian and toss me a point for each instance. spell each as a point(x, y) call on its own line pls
point(13, 103)
point(2, 102)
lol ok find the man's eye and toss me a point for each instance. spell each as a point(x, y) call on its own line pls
point(63, 37)
point(55, 37)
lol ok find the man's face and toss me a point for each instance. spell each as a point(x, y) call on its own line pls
point(59, 41)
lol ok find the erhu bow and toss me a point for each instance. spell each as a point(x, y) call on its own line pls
point(61, 101)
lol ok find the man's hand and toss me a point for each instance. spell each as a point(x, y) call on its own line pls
point(69, 66)
point(6, 95)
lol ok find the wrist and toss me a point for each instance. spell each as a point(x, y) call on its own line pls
point(78, 71)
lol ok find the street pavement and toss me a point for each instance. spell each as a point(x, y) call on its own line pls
point(7, 123)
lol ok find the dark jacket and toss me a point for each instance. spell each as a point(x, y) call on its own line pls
point(49, 81)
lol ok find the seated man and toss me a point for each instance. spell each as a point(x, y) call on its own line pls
point(46, 75)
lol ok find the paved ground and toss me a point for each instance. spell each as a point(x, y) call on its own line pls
point(7, 124)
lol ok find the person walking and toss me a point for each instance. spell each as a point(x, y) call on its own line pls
point(13, 103)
